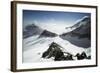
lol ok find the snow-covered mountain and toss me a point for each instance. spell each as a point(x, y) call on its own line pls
point(80, 34)
point(79, 23)
point(31, 30)
point(46, 33)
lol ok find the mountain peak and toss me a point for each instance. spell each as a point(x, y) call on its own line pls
point(31, 26)
point(31, 30)
point(81, 21)
point(46, 33)
point(80, 33)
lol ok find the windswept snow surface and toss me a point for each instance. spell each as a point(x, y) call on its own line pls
point(33, 48)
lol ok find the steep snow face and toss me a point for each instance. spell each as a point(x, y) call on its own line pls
point(81, 35)
point(33, 49)
point(67, 46)
point(81, 22)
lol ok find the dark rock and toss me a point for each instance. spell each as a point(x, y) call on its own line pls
point(53, 51)
point(46, 33)
point(69, 57)
point(44, 54)
point(81, 56)
point(89, 57)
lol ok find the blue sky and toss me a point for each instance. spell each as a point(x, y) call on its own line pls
point(51, 20)
point(67, 18)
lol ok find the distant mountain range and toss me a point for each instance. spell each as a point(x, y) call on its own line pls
point(31, 30)
point(79, 34)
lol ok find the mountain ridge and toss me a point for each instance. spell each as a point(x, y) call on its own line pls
point(81, 35)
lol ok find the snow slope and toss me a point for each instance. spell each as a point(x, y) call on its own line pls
point(33, 50)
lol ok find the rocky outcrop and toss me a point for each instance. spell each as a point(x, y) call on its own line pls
point(55, 51)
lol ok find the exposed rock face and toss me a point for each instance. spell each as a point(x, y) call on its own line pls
point(82, 56)
point(46, 33)
point(55, 51)
point(81, 36)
